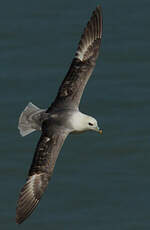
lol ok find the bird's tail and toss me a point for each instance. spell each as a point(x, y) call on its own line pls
point(29, 120)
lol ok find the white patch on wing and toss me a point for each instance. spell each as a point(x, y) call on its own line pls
point(30, 183)
point(47, 139)
point(80, 54)
point(54, 115)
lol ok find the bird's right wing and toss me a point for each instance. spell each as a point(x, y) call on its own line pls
point(40, 172)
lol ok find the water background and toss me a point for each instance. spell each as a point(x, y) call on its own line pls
point(100, 182)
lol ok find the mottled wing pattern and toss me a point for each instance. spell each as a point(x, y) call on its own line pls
point(72, 87)
point(40, 172)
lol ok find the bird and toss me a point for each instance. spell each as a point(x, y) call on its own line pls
point(62, 118)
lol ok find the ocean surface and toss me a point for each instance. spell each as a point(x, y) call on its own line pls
point(99, 182)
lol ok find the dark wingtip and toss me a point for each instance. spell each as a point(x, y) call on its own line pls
point(18, 220)
point(99, 9)
point(91, 36)
point(28, 200)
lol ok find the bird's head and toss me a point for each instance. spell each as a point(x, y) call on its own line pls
point(92, 124)
point(81, 122)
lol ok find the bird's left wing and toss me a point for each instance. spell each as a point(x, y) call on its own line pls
point(71, 89)
point(41, 170)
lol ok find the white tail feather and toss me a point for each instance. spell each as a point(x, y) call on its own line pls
point(29, 120)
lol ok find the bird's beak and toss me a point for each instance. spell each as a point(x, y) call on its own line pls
point(99, 130)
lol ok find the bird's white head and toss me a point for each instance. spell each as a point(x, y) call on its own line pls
point(81, 122)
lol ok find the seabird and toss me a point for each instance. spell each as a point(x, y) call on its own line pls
point(60, 119)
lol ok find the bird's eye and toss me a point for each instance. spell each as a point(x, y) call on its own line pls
point(90, 124)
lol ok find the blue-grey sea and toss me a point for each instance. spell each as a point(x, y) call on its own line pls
point(99, 182)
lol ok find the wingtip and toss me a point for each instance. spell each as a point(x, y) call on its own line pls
point(99, 11)
point(18, 220)
point(30, 196)
point(22, 213)
point(92, 34)
point(99, 8)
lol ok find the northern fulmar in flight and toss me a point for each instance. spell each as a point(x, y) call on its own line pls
point(60, 119)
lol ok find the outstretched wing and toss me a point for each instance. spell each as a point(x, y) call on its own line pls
point(72, 87)
point(40, 172)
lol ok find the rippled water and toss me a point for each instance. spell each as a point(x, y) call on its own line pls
point(100, 182)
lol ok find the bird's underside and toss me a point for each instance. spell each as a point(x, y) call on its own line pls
point(54, 132)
